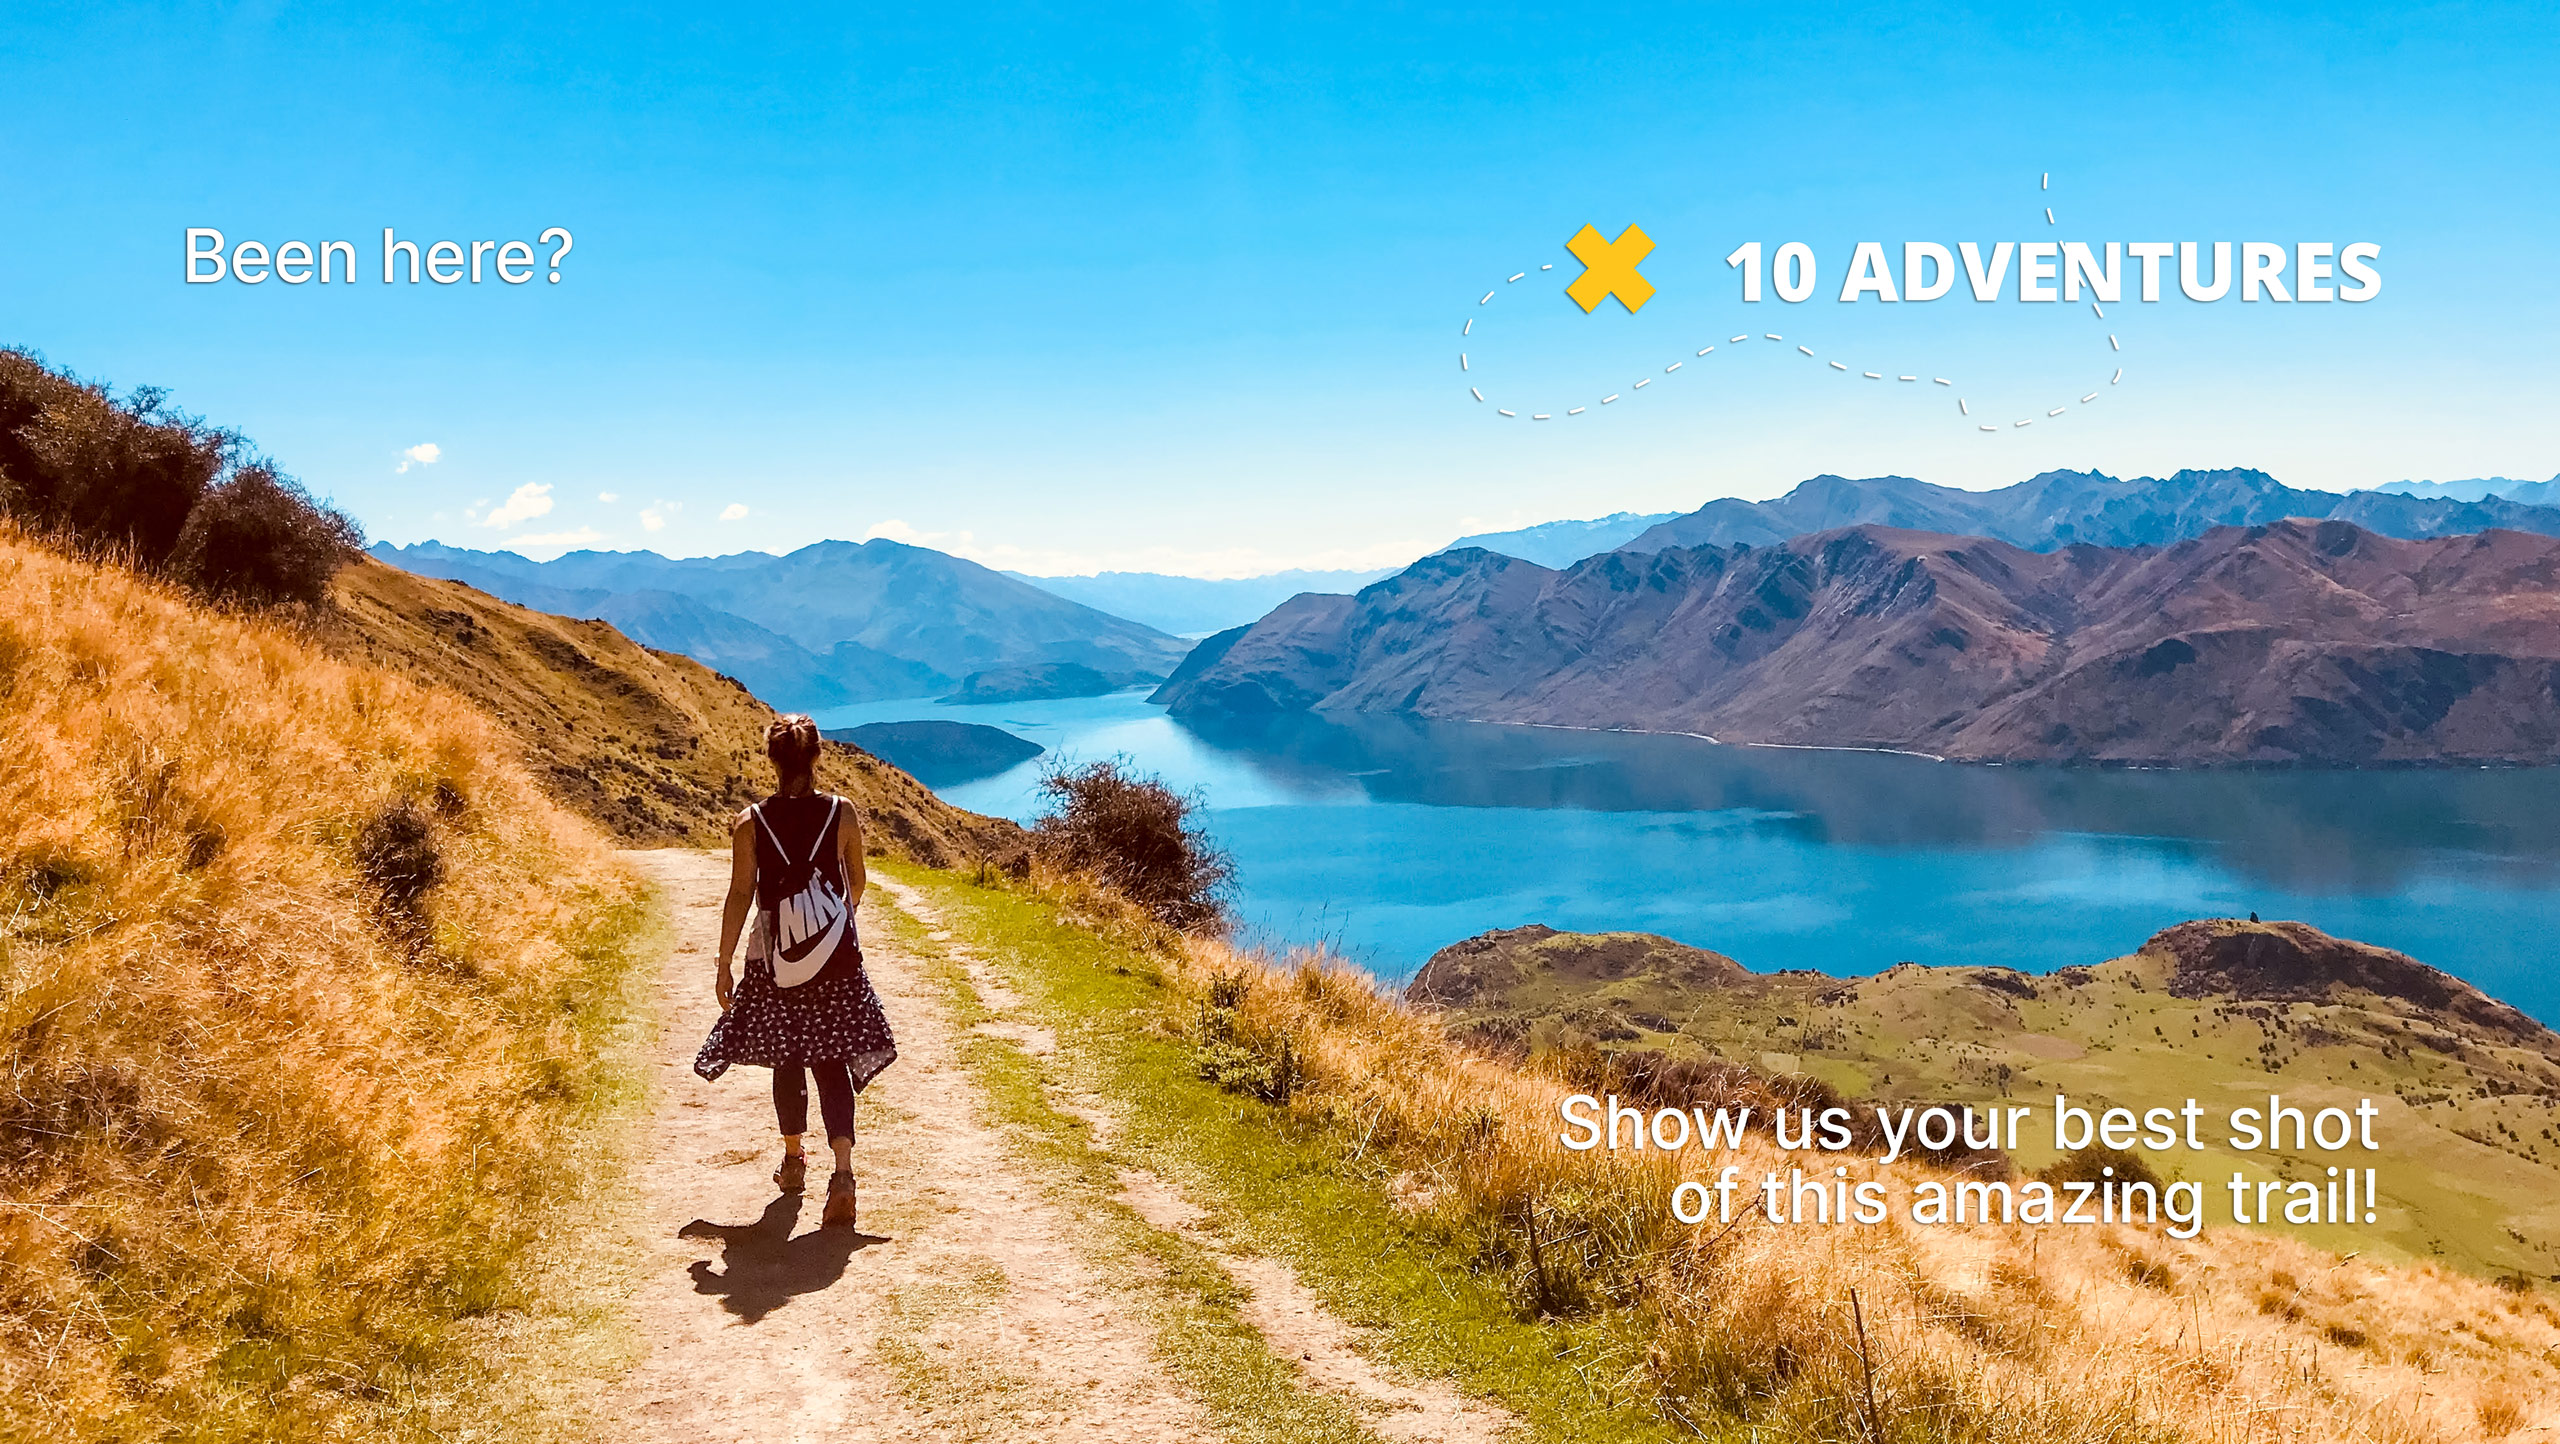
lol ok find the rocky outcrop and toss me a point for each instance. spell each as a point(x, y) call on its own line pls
point(2296, 963)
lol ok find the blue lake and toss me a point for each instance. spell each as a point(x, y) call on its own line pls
point(1390, 837)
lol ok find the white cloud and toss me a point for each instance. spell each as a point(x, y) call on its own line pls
point(734, 511)
point(530, 500)
point(608, 497)
point(425, 453)
point(656, 514)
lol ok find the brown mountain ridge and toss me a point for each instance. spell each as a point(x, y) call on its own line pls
point(2292, 642)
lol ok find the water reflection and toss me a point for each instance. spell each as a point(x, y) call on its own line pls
point(2319, 831)
point(1393, 836)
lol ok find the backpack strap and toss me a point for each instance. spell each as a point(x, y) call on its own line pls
point(757, 812)
point(835, 805)
point(826, 829)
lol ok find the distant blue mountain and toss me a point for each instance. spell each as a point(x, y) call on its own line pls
point(831, 623)
point(1195, 606)
point(1562, 543)
point(2066, 508)
point(2481, 488)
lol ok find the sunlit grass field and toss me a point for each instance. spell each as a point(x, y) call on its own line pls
point(279, 1129)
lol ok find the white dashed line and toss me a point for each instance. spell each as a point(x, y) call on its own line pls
point(1963, 406)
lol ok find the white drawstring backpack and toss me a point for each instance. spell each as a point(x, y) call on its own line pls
point(801, 935)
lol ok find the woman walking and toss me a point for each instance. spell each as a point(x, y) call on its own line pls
point(805, 1008)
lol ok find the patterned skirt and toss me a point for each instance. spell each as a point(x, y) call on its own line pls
point(834, 1017)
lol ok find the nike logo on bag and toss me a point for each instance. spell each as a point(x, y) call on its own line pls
point(812, 918)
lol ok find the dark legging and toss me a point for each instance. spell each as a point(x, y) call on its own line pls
point(835, 1098)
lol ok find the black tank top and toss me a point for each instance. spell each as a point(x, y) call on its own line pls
point(800, 884)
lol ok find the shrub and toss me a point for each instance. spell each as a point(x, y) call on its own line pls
point(1137, 837)
point(98, 476)
point(260, 540)
point(2090, 1165)
point(398, 855)
point(135, 481)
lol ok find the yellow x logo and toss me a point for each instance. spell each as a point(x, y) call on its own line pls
point(1609, 268)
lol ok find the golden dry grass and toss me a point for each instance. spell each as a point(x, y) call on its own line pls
point(2016, 1335)
point(653, 747)
point(257, 1156)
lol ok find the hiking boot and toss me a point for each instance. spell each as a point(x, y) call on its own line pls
point(839, 1200)
point(793, 1175)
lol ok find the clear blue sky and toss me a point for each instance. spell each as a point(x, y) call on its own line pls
point(1179, 288)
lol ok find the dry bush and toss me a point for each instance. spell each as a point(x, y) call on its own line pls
point(1136, 837)
point(2008, 1335)
point(2098, 1163)
point(259, 540)
point(134, 482)
point(256, 1165)
point(105, 478)
point(397, 854)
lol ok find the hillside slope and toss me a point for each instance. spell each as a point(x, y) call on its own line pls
point(302, 983)
point(655, 748)
point(1394, 1138)
point(2292, 642)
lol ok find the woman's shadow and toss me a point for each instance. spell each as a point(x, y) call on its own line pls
point(763, 1264)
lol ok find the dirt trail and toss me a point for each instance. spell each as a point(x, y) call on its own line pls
point(960, 1309)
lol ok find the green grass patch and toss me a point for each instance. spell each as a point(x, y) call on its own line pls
point(544, 1324)
point(1299, 1191)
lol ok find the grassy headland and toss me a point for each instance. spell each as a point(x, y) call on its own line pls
point(2226, 1012)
